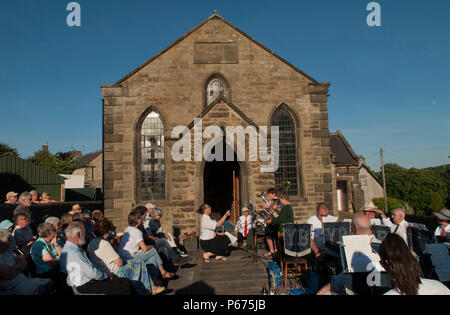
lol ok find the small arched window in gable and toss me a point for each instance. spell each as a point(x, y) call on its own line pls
point(215, 89)
point(152, 172)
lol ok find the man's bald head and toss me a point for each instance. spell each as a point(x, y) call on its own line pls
point(361, 224)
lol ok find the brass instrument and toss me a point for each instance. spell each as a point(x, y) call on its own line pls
point(270, 211)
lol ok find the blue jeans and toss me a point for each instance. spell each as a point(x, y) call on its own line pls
point(164, 249)
point(152, 259)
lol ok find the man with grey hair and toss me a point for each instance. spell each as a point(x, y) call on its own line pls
point(82, 274)
point(24, 205)
point(399, 226)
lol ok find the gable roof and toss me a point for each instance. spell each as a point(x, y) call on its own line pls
point(84, 160)
point(213, 16)
point(218, 100)
point(371, 174)
point(342, 150)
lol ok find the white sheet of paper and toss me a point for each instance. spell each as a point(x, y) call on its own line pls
point(329, 219)
point(440, 259)
point(231, 237)
point(359, 254)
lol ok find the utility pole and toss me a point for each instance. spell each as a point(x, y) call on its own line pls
point(384, 183)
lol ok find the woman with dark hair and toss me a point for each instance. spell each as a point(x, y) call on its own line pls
point(211, 243)
point(404, 271)
point(103, 255)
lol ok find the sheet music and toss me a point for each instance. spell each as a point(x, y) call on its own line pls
point(359, 254)
point(329, 219)
point(440, 259)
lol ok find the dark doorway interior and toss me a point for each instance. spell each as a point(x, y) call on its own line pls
point(218, 184)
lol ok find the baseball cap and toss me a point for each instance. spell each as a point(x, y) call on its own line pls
point(11, 194)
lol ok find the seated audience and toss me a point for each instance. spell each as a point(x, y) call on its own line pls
point(45, 198)
point(11, 271)
point(404, 271)
point(34, 197)
point(132, 246)
point(24, 205)
point(8, 225)
point(45, 252)
point(66, 220)
point(104, 256)
point(23, 235)
point(161, 244)
point(11, 197)
point(75, 209)
point(97, 215)
point(81, 273)
point(155, 229)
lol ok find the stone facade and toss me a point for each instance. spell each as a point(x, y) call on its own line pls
point(92, 171)
point(173, 84)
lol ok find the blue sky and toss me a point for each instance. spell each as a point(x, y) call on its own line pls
point(389, 85)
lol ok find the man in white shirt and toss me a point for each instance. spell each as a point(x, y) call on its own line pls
point(399, 226)
point(370, 212)
point(442, 232)
point(317, 243)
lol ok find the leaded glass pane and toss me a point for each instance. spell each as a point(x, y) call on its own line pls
point(287, 170)
point(214, 90)
point(152, 159)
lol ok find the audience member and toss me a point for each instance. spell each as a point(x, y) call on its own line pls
point(82, 273)
point(149, 207)
point(45, 198)
point(133, 246)
point(24, 205)
point(8, 225)
point(404, 271)
point(34, 197)
point(97, 215)
point(66, 220)
point(11, 197)
point(371, 212)
point(11, 271)
point(104, 256)
point(161, 244)
point(45, 252)
point(75, 209)
point(23, 235)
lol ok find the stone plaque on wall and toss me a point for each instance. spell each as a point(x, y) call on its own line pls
point(216, 53)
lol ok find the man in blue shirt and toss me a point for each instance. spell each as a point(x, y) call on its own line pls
point(82, 273)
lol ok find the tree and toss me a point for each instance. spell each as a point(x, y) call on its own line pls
point(392, 204)
point(60, 163)
point(5, 149)
point(437, 203)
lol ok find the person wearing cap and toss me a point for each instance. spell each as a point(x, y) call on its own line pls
point(443, 230)
point(75, 209)
point(244, 228)
point(371, 212)
point(8, 225)
point(11, 197)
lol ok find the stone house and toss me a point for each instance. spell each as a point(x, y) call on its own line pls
point(220, 74)
point(91, 167)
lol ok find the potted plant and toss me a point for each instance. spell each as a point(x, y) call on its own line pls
point(190, 241)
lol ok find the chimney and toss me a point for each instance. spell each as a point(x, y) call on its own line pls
point(45, 147)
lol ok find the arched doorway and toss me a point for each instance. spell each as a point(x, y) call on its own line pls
point(222, 186)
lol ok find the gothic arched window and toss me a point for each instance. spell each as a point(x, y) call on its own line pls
point(152, 171)
point(215, 89)
point(287, 175)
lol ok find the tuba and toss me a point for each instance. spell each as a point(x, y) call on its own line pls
point(270, 211)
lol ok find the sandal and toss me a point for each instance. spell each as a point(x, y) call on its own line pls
point(206, 259)
point(158, 290)
point(168, 275)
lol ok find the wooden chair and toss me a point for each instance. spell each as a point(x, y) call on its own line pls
point(292, 267)
point(257, 235)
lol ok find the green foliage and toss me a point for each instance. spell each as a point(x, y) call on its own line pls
point(392, 203)
point(437, 203)
point(415, 186)
point(59, 163)
point(5, 149)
